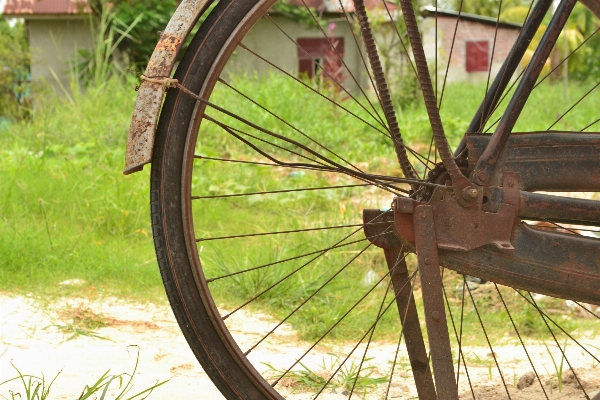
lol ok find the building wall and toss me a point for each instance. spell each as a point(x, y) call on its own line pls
point(270, 43)
point(466, 31)
point(53, 44)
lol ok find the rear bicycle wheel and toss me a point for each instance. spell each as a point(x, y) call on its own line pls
point(288, 246)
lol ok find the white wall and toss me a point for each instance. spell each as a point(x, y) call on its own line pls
point(53, 44)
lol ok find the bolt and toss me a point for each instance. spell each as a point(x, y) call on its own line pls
point(510, 183)
point(482, 175)
point(436, 316)
point(470, 193)
point(433, 173)
point(423, 215)
point(427, 261)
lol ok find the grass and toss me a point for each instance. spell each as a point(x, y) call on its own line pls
point(67, 212)
point(120, 385)
point(558, 367)
point(348, 376)
point(80, 321)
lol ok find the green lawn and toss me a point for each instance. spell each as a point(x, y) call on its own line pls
point(66, 210)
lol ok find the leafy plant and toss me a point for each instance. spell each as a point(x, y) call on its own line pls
point(14, 70)
point(95, 67)
point(152, 17)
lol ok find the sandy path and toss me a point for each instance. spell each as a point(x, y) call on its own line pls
point(33, 345)
point(31, 339)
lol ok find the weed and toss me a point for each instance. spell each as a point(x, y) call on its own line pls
point(36, 388)
point(348, 377)
point(558, 368)
point(80, 321)
point(304, 379)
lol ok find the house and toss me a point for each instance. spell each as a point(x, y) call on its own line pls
point(471, 55)
point(56, 29)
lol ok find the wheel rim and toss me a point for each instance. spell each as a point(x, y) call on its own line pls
point(207, 292)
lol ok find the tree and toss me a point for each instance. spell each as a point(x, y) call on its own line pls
point(155, 14)
point(14, 69)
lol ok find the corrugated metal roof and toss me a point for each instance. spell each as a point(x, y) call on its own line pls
point(41, 7)
point(429, 11)
point(333, 6)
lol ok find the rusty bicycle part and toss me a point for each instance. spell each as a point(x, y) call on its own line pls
point(475, 215)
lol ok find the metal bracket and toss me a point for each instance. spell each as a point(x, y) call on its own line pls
point(378, 228)
point(433, 303)
point(465, 228)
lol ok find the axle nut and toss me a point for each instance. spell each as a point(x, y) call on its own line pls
point(470, 193)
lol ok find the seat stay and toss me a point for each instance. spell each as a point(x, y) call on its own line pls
point(488, 160)
point(507, 71)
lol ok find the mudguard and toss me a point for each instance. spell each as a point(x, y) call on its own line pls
point(150, 94)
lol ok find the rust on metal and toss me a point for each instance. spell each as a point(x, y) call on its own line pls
point(542, 207)
point(382, 89)
point(555, 264)
point(433, 303)
point(459, 181)
point(465, 228)
point(550, 161)
point(382, 235)
point(150, 94)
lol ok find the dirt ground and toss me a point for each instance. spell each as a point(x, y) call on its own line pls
point(33, 338)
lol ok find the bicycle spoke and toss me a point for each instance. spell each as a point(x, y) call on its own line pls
point(459, 341)
point(360, 88)
point(313, 294)
point(573, 106)
point(332, 327)
point(313, 90)
point(547, 318)
point(364, 356)
point(520, 340)
point(450, 54)
point(290, 125)
point(487, 85)
point(565, 59)
point(486, 337)
point(277, 233)
point(320, 252)
point(223, 196)
point(360, 341)
point(558, 345)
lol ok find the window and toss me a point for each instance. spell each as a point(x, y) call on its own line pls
point(319, 52)
point(477, 56)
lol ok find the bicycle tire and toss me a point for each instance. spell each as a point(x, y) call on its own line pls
point(172, 220)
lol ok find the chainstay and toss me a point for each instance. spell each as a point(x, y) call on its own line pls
point(441, 142)
point(382, 88)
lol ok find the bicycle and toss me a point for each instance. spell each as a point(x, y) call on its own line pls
point(471, 213)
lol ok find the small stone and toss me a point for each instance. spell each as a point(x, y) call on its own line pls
point(526, 380)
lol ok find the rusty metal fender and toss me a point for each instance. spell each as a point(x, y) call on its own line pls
point(150, 94)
